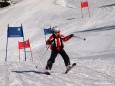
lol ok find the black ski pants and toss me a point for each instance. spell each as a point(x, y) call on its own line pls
point(54, 55)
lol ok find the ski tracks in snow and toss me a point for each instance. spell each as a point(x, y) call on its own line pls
point(101, 15)
point(7, 73)
point(86, 73)
point(93, 75)
point(16, 79)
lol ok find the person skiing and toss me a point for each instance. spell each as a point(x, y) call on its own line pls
point(56, 44)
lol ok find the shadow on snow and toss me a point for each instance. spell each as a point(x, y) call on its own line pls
point(38, 72)
point(99, 29)
point(107, 5)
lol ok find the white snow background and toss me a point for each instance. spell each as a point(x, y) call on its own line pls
point(95, 57)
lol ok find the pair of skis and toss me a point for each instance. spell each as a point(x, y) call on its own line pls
point(73, 65)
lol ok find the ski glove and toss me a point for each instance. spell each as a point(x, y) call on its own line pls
point(51, 42)
point(72, 35)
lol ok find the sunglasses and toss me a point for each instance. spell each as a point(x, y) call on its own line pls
point(56, 32)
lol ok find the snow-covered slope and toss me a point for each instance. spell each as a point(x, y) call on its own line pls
point(95, 57)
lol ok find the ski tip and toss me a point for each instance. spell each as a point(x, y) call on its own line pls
point(47, 73)
point(74, 64)
point(36, 67)
point(65, 72)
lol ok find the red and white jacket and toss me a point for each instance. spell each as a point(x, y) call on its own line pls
point(57, 41)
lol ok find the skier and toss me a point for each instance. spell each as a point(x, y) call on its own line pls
point(56, 44)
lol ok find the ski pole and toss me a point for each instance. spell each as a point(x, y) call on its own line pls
point(43, 54)
point(45, 51)
point(80, 38)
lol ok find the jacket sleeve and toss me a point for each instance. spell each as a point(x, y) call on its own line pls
point(65, 38)
point(49, 40)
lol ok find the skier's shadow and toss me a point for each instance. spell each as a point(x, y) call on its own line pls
point(38, 72)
